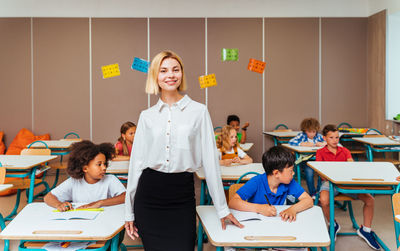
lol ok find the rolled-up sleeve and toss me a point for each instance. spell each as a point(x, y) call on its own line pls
point(135, 168)
point(210, 163)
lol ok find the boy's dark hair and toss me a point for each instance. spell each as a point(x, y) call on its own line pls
point(85, 151)
point(309, 124)
point(329, 128)
point(277, 157)
point(232, 118)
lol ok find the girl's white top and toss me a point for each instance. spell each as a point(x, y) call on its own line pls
point(174, 139)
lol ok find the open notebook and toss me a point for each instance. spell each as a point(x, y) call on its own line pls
point(250, 216)
point(74, 215)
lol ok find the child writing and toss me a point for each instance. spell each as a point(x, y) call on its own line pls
point(123, 147)
point(234, 121)
point(276, 183)
point(88, 183)
point(333, 152)
point(229, 149)
point(308, 137)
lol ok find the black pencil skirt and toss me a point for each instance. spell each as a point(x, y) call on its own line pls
point(165, 211)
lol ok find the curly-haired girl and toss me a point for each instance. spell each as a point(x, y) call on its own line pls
point(88, 183)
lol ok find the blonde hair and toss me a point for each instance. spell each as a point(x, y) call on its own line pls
point(152, 86)
point(223, 141)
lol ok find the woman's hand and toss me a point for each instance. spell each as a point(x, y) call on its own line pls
point(228, 218)
point(131, 230)
point(65, 206)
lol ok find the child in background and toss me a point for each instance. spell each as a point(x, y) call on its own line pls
point(229, 149)
point(88, 183)
point(234, 121)
point(123, 147)
point(333, 152)
point(308, 137)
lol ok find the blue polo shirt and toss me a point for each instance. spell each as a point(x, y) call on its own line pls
point(253, 191)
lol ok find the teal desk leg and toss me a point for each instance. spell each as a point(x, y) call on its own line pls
point(202, 192)
point(370, 156)
point(114, 243)
point(396, 228)
point(220, 249)
point(200, 237)
point(32, 185)
point(2, 226)
point(331, 216)
point(275, 141)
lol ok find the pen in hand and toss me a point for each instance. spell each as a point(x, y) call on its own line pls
point(269, 203)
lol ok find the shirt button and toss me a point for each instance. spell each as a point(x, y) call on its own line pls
point(167, 147)
point(169, 121)
point(167, 160)
point(168, 133)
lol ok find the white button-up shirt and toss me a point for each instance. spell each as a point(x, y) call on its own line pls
point(174, 139)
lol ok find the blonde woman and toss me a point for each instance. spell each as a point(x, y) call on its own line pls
point(229, 149)
point(173, 139)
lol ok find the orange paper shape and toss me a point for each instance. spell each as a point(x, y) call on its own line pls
point(256, 65)
point(207, 81)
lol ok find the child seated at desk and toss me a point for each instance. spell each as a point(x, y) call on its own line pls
point(123, 147)
point(333, 152)
point(308, 137)
point(273, 187)
point(88, 183)
point(229, 149)
point(234, 121)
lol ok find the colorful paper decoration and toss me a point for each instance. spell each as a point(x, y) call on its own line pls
point(140, 65)
point(256, 65)
point(207, 81)
point(229, 54)
point(110, 71)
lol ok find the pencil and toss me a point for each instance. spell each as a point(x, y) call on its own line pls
point(266, 197)
point(82, 209)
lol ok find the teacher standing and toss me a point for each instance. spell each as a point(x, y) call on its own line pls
point(173, 139)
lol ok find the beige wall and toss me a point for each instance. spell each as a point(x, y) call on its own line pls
point(65, 99)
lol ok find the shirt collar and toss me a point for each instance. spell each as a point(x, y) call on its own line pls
point(181, 103)
point(326, 150)
point(282, 188)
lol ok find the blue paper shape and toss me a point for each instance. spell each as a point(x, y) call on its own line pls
point(140, 65)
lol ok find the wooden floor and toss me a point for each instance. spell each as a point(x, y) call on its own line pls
point(382, 224)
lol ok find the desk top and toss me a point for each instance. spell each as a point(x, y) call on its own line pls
point(289, 134)
point(61, 143)
point(234, 172)
point(309, 229)
point(4, 187)
point(246, 146)
point(35, 217)
point(24, 161)
point(118, 167)
point(353, 173)
point(381, 141)
point(303, 149)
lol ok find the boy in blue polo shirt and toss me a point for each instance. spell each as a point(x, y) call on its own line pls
point(277, 183)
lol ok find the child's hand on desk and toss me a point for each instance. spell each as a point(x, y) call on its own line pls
point(266, 210)
point(288, 214)
point(398, 178)
point(320, 144)
point(306, 144)
point(131, 230)
point(226, 162)
point(95, 204)
point(65, 206)
point(236, 160)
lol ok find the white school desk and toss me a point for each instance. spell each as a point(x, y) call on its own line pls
point(246, 146)
point(4, 187)
point(301, 150)
point(309, 230)
point(282, 137)
point(24, 166)
point(379, 144)
point(61, 144)
point(120, 169)
point(33, 223)
point(371, 175)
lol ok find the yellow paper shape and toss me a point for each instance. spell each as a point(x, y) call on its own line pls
point(207, 81)
point(110, 71)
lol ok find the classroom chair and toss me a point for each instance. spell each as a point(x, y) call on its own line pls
point(355, 152)
point(2, 221)
point(281, 140)
point(344, 124)
point(38, 245)
point(396, 211)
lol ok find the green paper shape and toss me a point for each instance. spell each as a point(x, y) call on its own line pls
point(229, 54)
